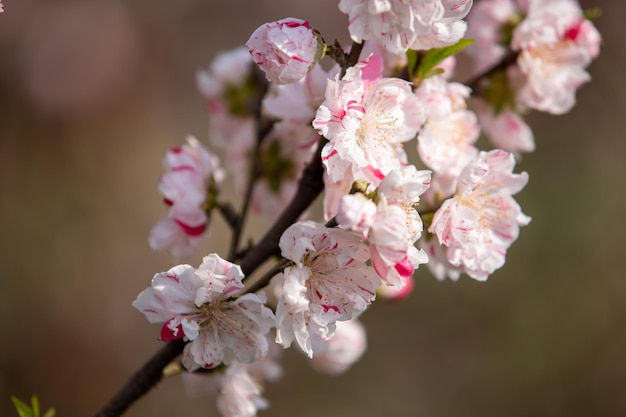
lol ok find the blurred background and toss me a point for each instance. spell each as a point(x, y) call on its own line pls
point(93, 93)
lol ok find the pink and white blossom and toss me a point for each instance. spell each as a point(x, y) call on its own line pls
point(196, 304)
point(337, 355)
point(401, 25)
point(446, 141)
point(556, 44)
point(438, 263)
point(240, 395)
point(482, 220)
point(366, 118)
point(330, 282)
point(391, 226)
point(191, 174)
point(507, 130)
point(285, 50)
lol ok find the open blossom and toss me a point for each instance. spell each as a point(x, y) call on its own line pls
point(337, 355)
point(446, 141)
point(366, 118)
point(191, 174)
point(391, 226)
point(556, 44)
point(196, 304)
point(285, 50)
point(330, 282)
point(402, 25)
point(481, 221)
point(242, 385)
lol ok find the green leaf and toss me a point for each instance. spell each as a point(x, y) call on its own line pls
point(25, 411)
point(50, 413)
point(35, 403)
point(22, 409)
point(434, 57)
point(592, 14)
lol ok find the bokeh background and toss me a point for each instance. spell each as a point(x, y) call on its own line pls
point(92, 94)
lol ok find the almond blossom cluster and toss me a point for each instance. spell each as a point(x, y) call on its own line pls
point(391, 140)
point(552, 43)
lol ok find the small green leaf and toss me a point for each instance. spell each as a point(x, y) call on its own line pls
point(434, 57)
point(592, 14)
point(22, 409)
point(50, 413)
point(35, 405)
point(411, 65)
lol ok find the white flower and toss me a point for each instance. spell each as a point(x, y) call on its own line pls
point(197, 305)
point(285, 50)
point(481, 221)
point(446, 141)
point(337, 355)
point(241, 394)
point(366, 119)
point(329, 283)
point(556, 44)
point(400, 24)
point(392, 226)
point(191, 174)
point(506, 130)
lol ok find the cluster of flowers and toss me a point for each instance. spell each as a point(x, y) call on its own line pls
point(384, 217)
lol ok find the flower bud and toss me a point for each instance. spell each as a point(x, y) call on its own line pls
point(286, 50)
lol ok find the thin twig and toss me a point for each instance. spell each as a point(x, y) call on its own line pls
point(508, 59)
point(263, 128)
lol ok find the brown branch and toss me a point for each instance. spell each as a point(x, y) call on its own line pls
point(143, 380)
point(508, 59)
point(310, 186)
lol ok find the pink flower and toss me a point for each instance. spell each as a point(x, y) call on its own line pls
point(506, 130)
point(481, 221)
point(446, 141)
point(191, 174)
point(337, 355)
point(330, 282)
point(400, 25)
point(285, 50)
point(366, 119)
point(556, 44)
point(391, 226)
point(196, 305)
